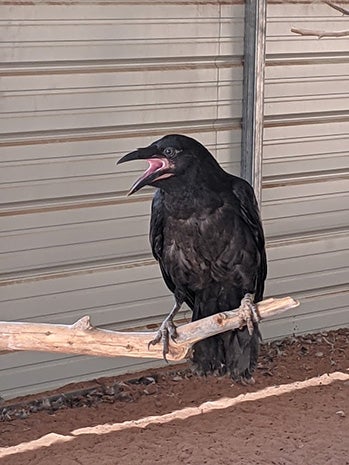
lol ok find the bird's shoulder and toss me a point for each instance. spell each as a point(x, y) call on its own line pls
point(233, 205)
point(250, 214)
point(247, 206)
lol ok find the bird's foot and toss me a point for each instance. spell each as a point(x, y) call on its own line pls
point(166, 331)
point(248, 313)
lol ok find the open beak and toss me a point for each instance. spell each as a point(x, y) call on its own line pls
point(159, 166)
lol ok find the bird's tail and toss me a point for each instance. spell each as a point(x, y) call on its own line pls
point(234, 352)
point(241, 352)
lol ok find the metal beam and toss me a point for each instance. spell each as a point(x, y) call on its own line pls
point(253, 94)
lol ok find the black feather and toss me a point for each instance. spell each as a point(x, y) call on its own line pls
point(206, 234)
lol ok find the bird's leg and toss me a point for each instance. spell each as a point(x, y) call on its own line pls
point(248, 312)
point(167, 330)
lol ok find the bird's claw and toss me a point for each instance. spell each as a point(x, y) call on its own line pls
point(166, 331)
point(248, 313)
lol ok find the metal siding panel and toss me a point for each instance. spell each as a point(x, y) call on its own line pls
point(310, 15)
point(305, 167)
point(51, 170)
point(120, 30)
point(83, 84)
point(84, 290)
point(38, 377)
point(80, 240)
point(333, 308)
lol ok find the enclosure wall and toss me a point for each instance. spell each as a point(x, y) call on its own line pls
point(305, 165)
point(83, 83)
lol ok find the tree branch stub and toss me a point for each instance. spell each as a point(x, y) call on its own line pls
point(319, 34)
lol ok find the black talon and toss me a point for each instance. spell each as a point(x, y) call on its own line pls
point(151, 343)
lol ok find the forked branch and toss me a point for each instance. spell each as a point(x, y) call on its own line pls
point(83, 338)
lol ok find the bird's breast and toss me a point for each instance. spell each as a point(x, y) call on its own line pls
point(188, 251)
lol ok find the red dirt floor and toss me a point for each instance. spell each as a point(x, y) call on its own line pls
point(307, 425)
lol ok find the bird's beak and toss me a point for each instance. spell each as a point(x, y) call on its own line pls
point(139, 154)
point(159, 166)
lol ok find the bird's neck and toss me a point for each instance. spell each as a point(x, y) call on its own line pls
point(191, 199)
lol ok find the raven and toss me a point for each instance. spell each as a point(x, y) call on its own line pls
point(206, 234)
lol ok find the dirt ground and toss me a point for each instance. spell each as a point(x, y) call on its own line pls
point(301, 423)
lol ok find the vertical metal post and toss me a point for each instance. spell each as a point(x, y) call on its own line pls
point(253, 94)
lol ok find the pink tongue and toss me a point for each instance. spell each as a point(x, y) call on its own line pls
point(154, 164)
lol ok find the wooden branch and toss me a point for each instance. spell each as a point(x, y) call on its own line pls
point(319, 34)
point(337, 7)
point(83, 338)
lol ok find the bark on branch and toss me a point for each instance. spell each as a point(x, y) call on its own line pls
point(83, 338)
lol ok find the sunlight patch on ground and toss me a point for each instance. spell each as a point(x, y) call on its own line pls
point(44, 441)
point(182, 414)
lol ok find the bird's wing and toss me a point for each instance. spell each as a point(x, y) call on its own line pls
point(250, 214)
point(236, 247)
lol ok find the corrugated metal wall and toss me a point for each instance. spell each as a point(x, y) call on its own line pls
point(86, 82)
point(83, 83)
point(305, 166)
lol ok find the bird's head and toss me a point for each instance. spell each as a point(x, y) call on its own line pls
point(170, 159)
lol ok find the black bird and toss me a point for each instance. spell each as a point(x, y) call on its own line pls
point(206, 234)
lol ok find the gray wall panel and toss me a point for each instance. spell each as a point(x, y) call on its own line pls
point(85, 83)
point(50, 170)
point(305, 166)
point(82, 84)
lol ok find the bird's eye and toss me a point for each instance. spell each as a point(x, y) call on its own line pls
point(169, 151)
